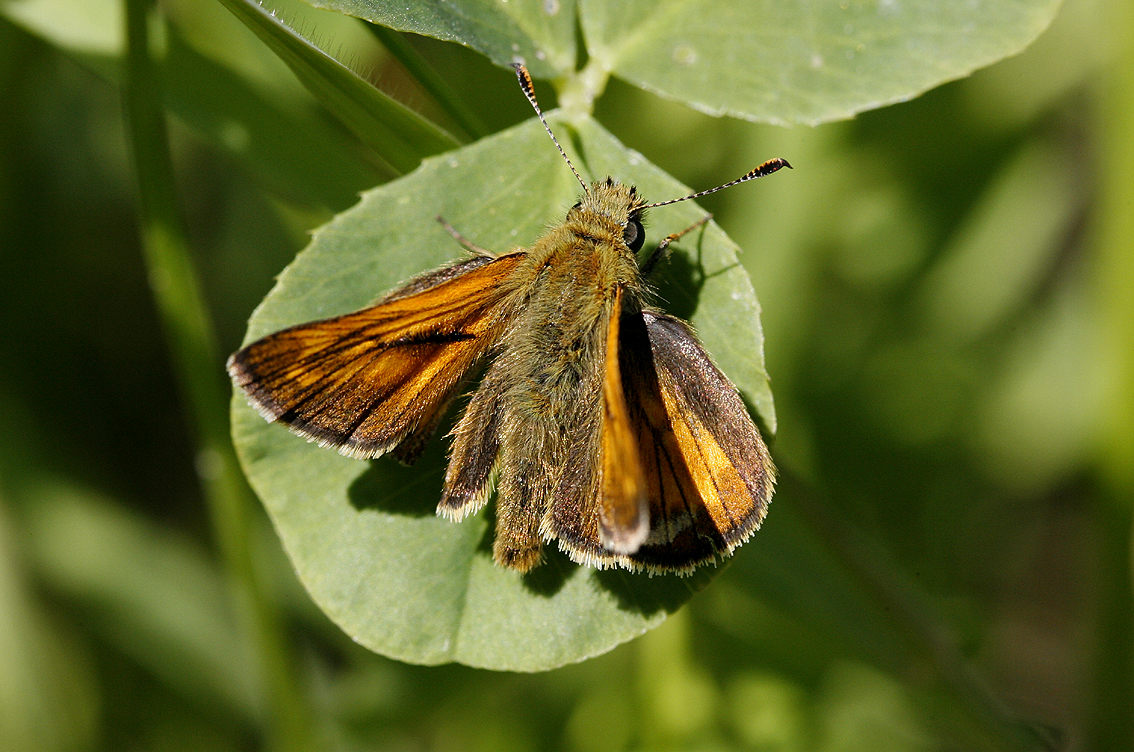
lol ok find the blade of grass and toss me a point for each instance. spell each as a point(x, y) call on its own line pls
point(396, 133)
point(197, 365)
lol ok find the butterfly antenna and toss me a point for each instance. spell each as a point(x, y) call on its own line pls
point(529, 92)
point(767, 168)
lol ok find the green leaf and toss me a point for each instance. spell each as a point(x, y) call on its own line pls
point(803, 62)
point(395, 132)
point(540, 33)
point(363, 535)
point(784, 62)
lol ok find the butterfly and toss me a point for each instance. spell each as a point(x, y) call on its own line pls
point(600, 422)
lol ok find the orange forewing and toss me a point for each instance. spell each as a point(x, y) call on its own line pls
point(708, 473)
point(381, 378)
point(623, 515)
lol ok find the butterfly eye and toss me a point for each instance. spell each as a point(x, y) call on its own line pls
point(634, 235)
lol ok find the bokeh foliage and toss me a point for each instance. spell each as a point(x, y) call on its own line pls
point(949, 327)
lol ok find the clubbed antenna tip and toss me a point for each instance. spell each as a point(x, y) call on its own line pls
point(767, 168)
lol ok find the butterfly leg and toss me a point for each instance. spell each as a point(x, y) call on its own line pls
point(465, 242)
point(662, 250)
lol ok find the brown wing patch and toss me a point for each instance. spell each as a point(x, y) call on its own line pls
point(380, 378)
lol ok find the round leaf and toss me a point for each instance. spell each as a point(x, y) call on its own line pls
point(801, 61)
point(363, 536)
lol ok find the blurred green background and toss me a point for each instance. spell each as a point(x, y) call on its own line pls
point(948, 300)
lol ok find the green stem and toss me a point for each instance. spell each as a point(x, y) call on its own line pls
point(198, 368)
point(1112, 686)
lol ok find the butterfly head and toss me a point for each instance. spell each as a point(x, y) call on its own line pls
point(614, 204)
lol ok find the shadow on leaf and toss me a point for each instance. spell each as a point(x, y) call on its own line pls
point(549, 577)
point(545, 580)
point(390, 487)
point(640, 593)
point(679, 278)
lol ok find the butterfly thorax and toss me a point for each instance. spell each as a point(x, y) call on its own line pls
point(557, 343)
point(587, 255)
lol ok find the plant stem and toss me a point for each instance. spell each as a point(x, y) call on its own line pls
point(198, 368)
point(1111, 685)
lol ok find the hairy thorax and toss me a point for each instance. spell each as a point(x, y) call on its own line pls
point(556, 347)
